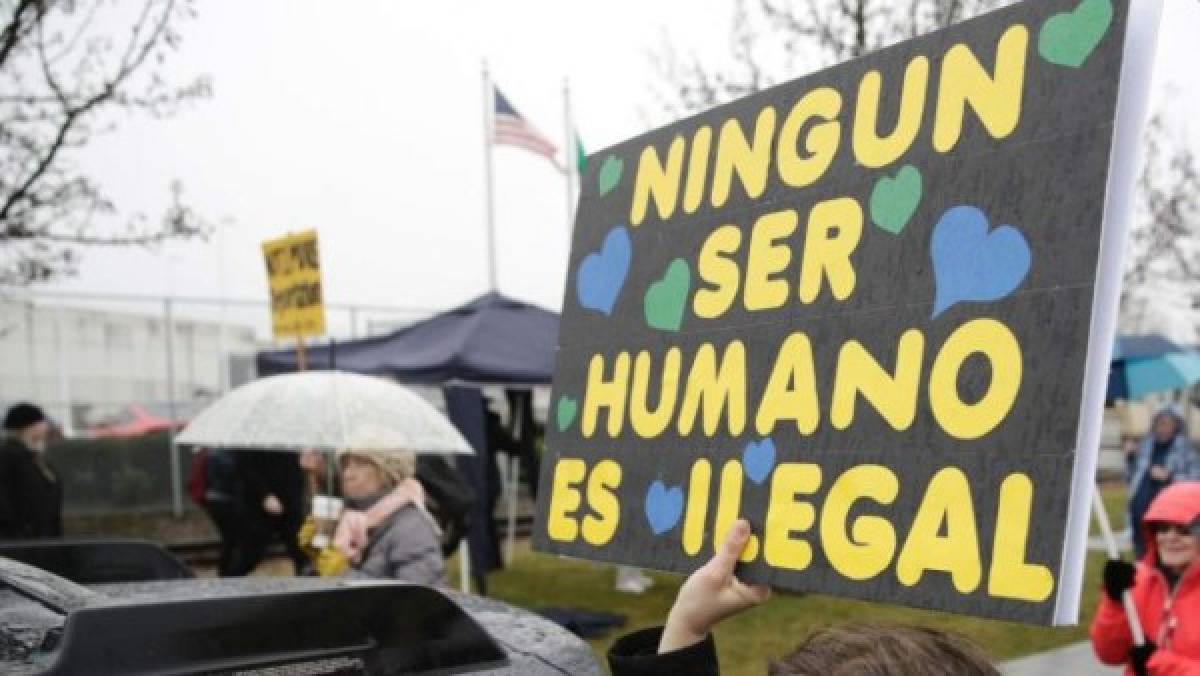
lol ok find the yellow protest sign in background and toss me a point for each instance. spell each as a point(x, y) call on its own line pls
point(294, 278)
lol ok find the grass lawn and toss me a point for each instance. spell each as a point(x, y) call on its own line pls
point(746, 642)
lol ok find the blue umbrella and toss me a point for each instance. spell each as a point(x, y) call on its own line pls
point(1142, 365)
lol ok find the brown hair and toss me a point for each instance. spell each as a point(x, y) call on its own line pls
point(881, 650)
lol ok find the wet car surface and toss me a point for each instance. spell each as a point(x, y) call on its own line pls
point(31, 632)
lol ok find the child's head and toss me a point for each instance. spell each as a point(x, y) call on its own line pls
point(874, 650)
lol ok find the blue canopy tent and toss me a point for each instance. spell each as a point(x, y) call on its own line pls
point(492, 340)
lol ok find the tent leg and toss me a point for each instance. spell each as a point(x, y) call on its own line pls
point(514, 477)
point(464, 566)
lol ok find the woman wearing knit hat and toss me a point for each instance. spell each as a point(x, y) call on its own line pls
point(384, 532)
point(30, 492)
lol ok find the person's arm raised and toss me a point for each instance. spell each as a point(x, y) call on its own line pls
point(711, 594)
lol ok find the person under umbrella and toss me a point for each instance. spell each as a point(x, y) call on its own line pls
point(329, 410)
point(385, 531)
point(272, 504)
point(30, 491)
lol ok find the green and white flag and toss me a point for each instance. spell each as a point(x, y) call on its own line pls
point(580, 155)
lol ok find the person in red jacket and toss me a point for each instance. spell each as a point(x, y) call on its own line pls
point(1166, 591)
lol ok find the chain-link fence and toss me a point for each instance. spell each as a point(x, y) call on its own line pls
point(113, 371)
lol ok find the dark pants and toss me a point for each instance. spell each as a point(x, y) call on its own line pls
point(260, 531)
point(224, 515)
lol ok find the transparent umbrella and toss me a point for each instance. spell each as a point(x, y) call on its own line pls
point(327, 411)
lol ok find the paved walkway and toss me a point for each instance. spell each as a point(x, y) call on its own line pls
point(1073, 659)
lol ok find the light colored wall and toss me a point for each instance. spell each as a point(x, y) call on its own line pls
point(104, 359)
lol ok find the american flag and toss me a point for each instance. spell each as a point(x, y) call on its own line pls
point(511, 129)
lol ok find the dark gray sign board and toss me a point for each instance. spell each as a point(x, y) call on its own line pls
point(867, 310)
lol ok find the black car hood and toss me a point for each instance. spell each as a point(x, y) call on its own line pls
point(533, 644)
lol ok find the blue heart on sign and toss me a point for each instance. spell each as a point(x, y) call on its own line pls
point(602, 273)
point(758, 460)
point(664, 506)
point(971, 264)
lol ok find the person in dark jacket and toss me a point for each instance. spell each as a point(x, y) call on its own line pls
point(273, 504)
point(30, 491)
point(1162, 458)
point(685, 647)
point(221, 501)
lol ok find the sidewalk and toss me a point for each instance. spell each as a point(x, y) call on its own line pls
point(1073, 659)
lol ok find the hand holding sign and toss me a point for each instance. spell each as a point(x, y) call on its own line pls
point(711, 594)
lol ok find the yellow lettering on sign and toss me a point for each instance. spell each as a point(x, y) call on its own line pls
point(996, 99)
point(599, 528)
point(658, 182)
point(947, 504)
point(294, 280)
point(565, 498)
point(893, 396)
point(999, 346)
point(693, 192)
point(729, 504)
point(648, 423)
point(697, 507)
point(821, 142)
point(787, 515)
point(719, 391)
point(750, 161)
point(716, 267)
point(766, 259)
point(609, 394)
point(834, 228)
point(1011, 577)
point(872, 542)
point(872, 150)
point(791, 392)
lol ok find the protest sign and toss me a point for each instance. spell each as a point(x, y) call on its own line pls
point(294, 278)
point(869, 311)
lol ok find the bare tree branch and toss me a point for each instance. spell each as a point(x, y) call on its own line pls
point(24, 17)
point(811, 33)
point(60, 73)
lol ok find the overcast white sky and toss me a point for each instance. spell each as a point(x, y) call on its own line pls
point(363, 120)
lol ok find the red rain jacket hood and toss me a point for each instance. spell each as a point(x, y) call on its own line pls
point(1169, 617)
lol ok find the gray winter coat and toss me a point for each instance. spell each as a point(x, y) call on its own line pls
point(404, 547)
point(1183, 463)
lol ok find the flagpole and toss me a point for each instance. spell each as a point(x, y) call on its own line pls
point(489, 108)
point(570, 153)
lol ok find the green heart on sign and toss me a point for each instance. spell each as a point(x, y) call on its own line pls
point(895, 200)
point(666, 299)
point(1068, 39)
point(610, 174)
point(567, 408)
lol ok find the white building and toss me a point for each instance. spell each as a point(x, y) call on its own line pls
point(85, 365)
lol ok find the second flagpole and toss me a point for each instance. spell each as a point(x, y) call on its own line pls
point(489, 108)
point(570, 160)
